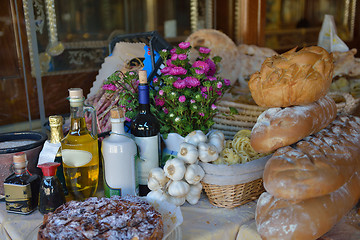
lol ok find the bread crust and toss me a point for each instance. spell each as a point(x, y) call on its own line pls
point(316, 165)
point(278, 127)
point(308, 219)
point(293, 78)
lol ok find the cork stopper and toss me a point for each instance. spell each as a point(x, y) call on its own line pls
point(76, 93)
point(19, 157)
point(142, 77)
point(117, 113)
point(55, 120)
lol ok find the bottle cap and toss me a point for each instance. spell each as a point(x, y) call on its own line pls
point(55, 120)
point(49, 168)
point(76, 93)
point(117, 113)
point(142, 77)
point(19, 157)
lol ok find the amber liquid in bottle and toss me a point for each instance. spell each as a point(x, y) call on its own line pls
point(80, 153)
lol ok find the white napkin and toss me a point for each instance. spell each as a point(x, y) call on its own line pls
point(48, 152)
point(328, 38)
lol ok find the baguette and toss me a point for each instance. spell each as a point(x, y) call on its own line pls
point(278, 127)
point(318, 164)
point(308, 219)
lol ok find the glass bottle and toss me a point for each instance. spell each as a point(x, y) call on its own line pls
point(145, 127)
point(119, 152)
point(21, 187)
point(51, 194)
point(80, 151)
point(56, 134)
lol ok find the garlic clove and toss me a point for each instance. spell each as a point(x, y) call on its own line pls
point(175, 169)
point(157, 195)
point(178, 188)
point(178, 201)
point(194, 174)
point(188, 153)
point(194, 194)
point(195, 137)
point(207, 152)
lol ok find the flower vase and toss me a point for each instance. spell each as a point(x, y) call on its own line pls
point(172, 146)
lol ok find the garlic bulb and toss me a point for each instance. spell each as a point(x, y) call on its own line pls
point(194, 194)
point(207, 152)
point(217, 133)
point(157, 195)
point(157, 179)
point(195, 137)
point(217, 142)
point(188, 152)
point(178, 201)
point(175, 169)
point(178, 188)
point(194, 173)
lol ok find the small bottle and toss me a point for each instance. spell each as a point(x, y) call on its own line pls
point(51, 194)
point(21, 187)
point(145, 127)
point(80, 150)
point(119, 152)
point(56, 134)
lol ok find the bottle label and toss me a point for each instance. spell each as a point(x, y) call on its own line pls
point(18, 198)
point(108, 191)
point(148, 157)
point(76, 158)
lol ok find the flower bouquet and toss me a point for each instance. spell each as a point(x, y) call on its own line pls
point(183, 97)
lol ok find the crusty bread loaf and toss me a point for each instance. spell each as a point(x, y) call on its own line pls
point(318, 164)
point(308, 219)
point(293, 78)
point(279, 127)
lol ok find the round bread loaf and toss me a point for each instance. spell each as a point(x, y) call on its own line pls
point(293, 78)
point(103, 218)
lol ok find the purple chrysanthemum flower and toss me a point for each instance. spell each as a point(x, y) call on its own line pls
point(203, 89)
point(201, 114)
point(169, 63)
point(204, 95)
point(219, 92)
point(184, 45)
point(179, 84)
point(161, 92)
point(131, 73)
point(192, 101)
point(165, 70)
point(213, 106)
point(173, 51)
point(177, 71)
point(110, 87)
point(182, 56)
point(192, 82)
point(165, 110)
point(202, 66)
point(174, 57)
point(159, 101)
point(182, 98)
point(227, 82)
point(212, 67)
point(219, 85)
point(204, 50)
point(211, 78)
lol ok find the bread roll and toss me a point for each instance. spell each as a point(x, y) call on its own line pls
point(318, 164)
point(277, 127)
point(308, 219)
point(293, 78)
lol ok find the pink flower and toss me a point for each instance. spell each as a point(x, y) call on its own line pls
point(182, 98)
point(169, 63)
point(219, 93)
point(213, 106)
point(182, 56)
point(179, 84)
point(128, 119)
point(192, 82)
point(173, 51)
point(204, 50)
point(174, 57)
point(211, 78)
point(131, 73)
point(109, 87)
point(165, 110)
point(161, 92)
point(192, 101)
point(177, 71)
point(201, 114)
point(227, 82)
point(165, 70)
point(202, 66)
point(184, 45)
point(155, 80)
point(219, 85)
point(159, 102)
point(203, 89)
point(204, 95)
point(212, 67)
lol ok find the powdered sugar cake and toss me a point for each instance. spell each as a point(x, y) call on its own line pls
point(103, 218)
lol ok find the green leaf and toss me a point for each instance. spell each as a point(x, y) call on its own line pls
point(233, 110)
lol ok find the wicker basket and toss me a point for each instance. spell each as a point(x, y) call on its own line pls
point(230, 196)
point(248, 113)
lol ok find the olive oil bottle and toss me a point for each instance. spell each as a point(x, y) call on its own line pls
point(80, 151)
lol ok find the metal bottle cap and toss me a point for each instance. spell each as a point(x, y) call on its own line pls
point(142, 77)
point(76, 93)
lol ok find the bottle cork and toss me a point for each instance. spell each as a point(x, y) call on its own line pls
point(142, 77)
point(117, 113)
point(76, 93)
point(19, 157)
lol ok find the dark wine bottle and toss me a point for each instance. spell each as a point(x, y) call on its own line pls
point(145, 127)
